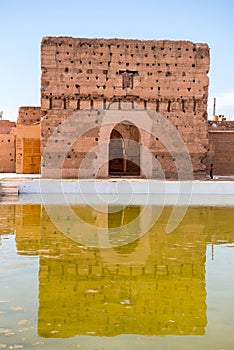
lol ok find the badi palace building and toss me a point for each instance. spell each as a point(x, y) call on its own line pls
point(115, 107)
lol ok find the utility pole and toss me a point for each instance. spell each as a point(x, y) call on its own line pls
point(214, 106)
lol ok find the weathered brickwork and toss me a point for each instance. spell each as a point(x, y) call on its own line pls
point(221, 147)
point(29, 116)
point(6, 126)
point(7, 146)
point(7, 154)
point(28, 153)
point(167, 77)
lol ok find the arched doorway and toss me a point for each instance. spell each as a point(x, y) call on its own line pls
point(124, 150)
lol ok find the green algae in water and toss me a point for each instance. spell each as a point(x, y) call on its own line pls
point(167, 291)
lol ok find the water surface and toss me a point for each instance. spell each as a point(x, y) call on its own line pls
point(160, 291)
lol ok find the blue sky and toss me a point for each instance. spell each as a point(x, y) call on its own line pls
point(23, 23)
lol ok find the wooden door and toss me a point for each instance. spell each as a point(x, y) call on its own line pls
point(32, 156)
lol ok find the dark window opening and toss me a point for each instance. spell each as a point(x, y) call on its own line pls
point(78, 104)
point(194, 106)
point(169, 106)
point(157, 105)
point(183, 106)
point(127, 78)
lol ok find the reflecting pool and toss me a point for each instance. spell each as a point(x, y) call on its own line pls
point(153, 290)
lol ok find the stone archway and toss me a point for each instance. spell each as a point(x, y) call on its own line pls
point(124, 150)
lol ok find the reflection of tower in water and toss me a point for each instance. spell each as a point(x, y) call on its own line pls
point(118, 220)
point(153, 286)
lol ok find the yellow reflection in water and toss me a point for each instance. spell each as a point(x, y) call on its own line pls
point(153, 286)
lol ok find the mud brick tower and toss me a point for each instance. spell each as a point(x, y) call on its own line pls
point(84, 80)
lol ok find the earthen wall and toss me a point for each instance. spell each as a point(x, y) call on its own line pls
point(7, 153)
point(29, 115)
point(221, 147)
point(168, 77)
point(6, 126)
